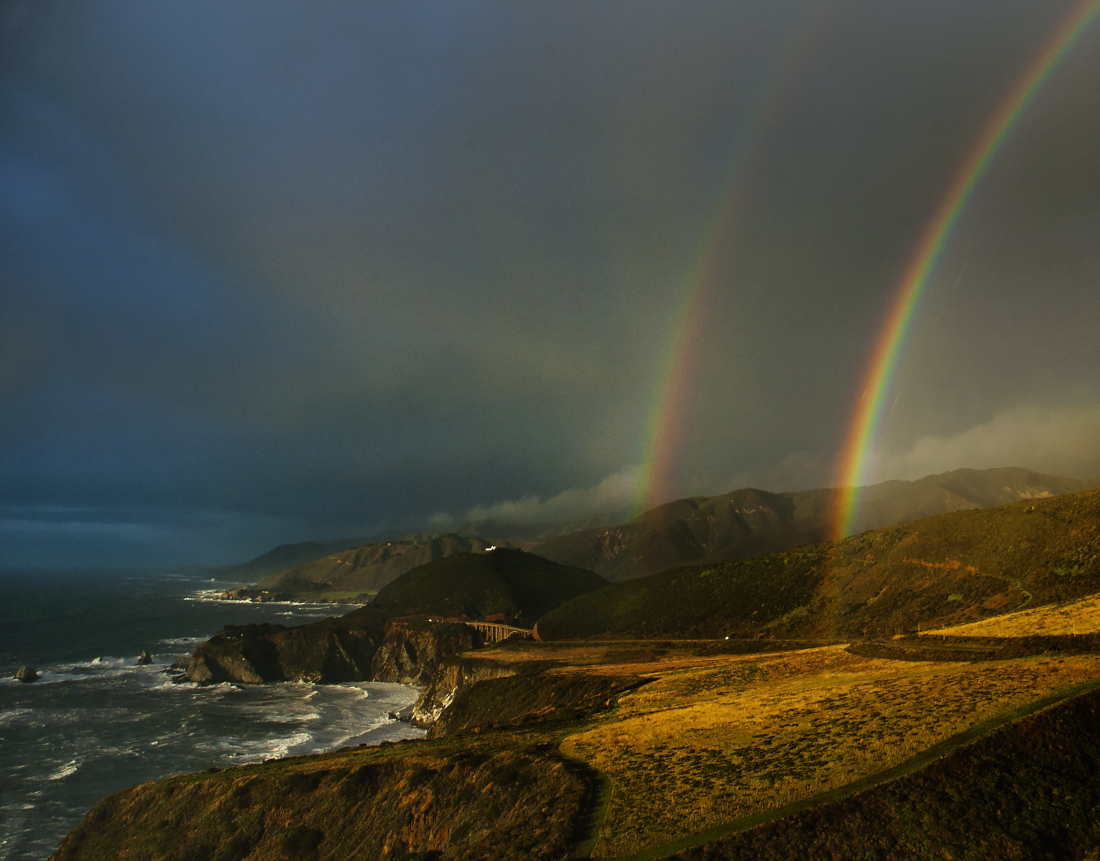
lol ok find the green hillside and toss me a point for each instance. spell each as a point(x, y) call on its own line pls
point(939, 571)
point(503, 585)
point(751, 522)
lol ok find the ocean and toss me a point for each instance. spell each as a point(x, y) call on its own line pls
point(97, 723)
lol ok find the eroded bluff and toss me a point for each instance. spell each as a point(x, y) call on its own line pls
point(362, 648)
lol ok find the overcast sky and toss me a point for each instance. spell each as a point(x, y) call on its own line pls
point(281, 271)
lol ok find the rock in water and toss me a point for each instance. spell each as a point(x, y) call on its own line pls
point(27, 674)
point(145, 658)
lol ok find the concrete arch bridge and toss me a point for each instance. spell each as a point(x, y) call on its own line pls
point(494, 632)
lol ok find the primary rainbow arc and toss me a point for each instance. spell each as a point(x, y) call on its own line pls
point(869, 411)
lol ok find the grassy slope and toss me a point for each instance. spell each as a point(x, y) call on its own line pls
point(1071, 618)
point(729, 598)
point(508, 585)
point(722, 741)
point(508, 793)
point(750, 522)
point(944, 570)
point(1027, 790)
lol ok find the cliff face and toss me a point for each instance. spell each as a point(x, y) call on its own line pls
point(412, 652)
point(391, 638)
point(324, 652)
point(431, 655)
point(449, 680)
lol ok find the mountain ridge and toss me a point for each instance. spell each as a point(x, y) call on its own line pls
point(358, 571)
point(943, 570)
point(750, 522)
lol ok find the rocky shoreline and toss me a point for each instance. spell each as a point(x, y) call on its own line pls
point(424, 654)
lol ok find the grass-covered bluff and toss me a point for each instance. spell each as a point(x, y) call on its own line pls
point(429, 800)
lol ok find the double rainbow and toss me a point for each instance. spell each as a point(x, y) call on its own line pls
point(868, 414)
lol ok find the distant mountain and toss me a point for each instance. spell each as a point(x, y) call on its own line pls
point(751, 522)
point(935, 572)
point(287, 556)
point(361, 569)
point(895, 502)
point(504, 585)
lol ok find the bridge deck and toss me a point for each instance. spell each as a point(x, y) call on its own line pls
point(495, 632)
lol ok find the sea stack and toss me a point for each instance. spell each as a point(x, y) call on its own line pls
point(27, 674)
point(145, 658)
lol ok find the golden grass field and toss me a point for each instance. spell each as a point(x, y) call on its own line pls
point(1074, 617)
point(711, 740)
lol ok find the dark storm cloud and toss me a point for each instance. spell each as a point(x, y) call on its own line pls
point(313, 269)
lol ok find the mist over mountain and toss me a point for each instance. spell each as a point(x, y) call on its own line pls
point(752, 522)
point(735, 525)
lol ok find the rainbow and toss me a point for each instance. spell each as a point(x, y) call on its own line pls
point(868, 413)
point(666, 421)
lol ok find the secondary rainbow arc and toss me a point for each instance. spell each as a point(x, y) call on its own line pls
point(665, 423)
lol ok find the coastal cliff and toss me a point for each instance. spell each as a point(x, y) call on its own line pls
point(394, 638)
point(331, 652)
point(326, 652)
point(445, 685)
point(491, 783)
point(412, 652)
point(430, 655)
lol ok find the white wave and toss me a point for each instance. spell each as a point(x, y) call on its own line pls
point(107, 662)
point(278, 712)
point(182, 641)
point(96, 669)
point(213, 596)
point(257, 750)
point(161, 681)
point(47, 677)
point(69, 768)
point(215, 691)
